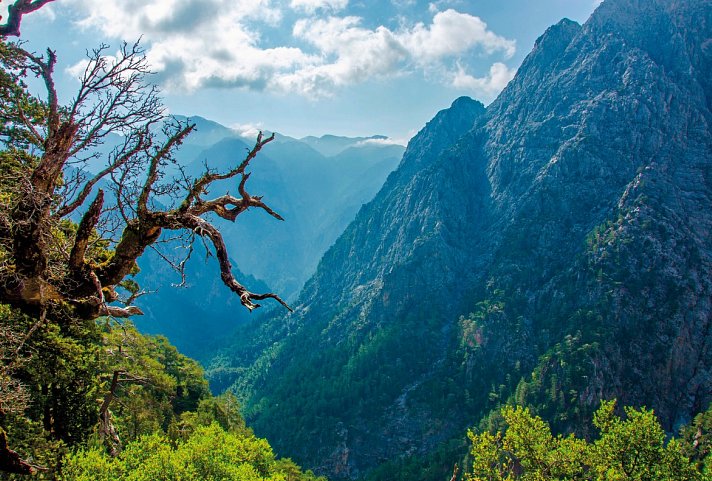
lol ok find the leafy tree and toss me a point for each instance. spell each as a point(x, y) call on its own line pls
point(153, 382)
point(57, 365)
point(223, 410)
point(696, 442)
point(628, 449)
point(160, 412)
point(209, 453)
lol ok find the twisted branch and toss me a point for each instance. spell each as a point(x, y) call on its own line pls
point(15, 13)
point(112, 98)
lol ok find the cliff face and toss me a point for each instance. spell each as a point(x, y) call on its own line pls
point(571, 219)
point(601, 179)
point(393, 266)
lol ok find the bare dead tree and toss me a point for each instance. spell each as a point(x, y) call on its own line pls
point(48, 265)
point(107, 431)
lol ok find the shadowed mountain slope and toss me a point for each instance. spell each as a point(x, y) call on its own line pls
point(552, 250)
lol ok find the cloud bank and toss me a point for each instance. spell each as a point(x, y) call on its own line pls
point(312, 6)
point(488, 86)
point(195, 44)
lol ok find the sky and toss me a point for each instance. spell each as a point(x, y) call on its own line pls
point(308, 67)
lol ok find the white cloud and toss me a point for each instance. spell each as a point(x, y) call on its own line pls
point(487, 87)
point(453, 33)
point(312, 6)
point(381, 141)
point(80, 69)
point(46, 11)
point(198, 43)
point(354, 54)
point(249, 131)
point(77, 70)
point(194, 44)
point(129, 19)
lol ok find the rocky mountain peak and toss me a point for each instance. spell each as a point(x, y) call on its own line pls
point(673, 33)
point(554, 41)
point(442, 131)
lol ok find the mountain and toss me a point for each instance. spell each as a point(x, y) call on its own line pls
point(552, 250)
point(196, 313)
point(331, 145)
point(317, 195)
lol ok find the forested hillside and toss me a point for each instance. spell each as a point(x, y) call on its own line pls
point(551, 250)
point(99, 400)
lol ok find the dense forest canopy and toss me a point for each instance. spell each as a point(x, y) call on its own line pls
point(633, 447)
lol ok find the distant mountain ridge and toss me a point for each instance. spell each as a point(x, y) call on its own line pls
point(331, 145)
point(551, 250)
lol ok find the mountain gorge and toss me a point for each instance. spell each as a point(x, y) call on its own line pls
point(552, 249)
point(318, 192)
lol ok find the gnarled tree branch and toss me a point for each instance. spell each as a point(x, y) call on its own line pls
point(12, 462)
point(125, 154)
point(15, 13)
point(146, 228)
point(87, 224)
point(112, 98)
point(203, 228)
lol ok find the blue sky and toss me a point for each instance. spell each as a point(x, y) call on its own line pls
point(309, 67)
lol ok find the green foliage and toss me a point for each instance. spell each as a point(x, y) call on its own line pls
point(635, 449)
point(435, 465)
point(223, 409)
point(160, 383)
point(209, 453)
point(604, 234)
point(171, 427)
point(57, 366)
point(554, 385)
point(696, 442)
point(16, 103)
point(632, 448)
point(339, 382)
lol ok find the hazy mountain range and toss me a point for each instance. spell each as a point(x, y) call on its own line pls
point(317, 184)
